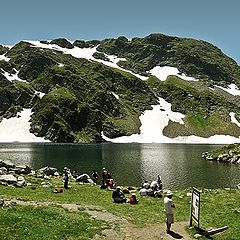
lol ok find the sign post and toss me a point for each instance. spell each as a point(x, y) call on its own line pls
point(195, 207)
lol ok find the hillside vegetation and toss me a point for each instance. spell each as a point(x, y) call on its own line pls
point(84, 98)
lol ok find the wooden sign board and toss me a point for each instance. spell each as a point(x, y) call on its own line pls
point(195, 207)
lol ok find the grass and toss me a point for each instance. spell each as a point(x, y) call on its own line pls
point(31, 222)
point(219, 207)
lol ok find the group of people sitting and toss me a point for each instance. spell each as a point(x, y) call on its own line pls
point(118, 197)
point(153, 189)
point(117, 194)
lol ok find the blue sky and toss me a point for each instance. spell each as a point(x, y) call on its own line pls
point(214, 21)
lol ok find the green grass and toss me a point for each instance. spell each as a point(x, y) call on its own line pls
point(219, 207)
point(31, 222)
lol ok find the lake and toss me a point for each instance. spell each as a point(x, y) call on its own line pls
point(180, 165)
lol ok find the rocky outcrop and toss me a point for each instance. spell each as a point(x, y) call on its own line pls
point(229, 154)
point(62, 42)
point(84, 178)
point(14, 175)
point(47, 171)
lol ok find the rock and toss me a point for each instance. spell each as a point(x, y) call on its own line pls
point(56, 174)
point(62, 42)
point(84, 178)
point(1, 202)
point(209, 158)
point(234, 159)
point(46, 185)
point(223, 157)
point(3, 171)
point(46, 177)
point(9, 178)
point(197, 235)
point(79, 43)
point(21, 169)
point(48, 171)
point(20, 182)
point(7, 164)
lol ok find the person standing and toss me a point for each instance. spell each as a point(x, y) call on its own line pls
point(104, 176)
point(168, 208)
point(65, 177)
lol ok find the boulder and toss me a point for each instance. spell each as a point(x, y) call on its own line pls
point(20, 182)
point(48, 171)
point(21, 169)
point(223, 157)
point(9, 178)
point(62, 42)
point(3, 171)
point(84, 178)
point(7, 164)
point(1, 202)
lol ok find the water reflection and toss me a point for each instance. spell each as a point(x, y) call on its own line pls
point(180, 165)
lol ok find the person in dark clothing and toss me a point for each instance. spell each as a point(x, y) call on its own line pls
point(118, 196)
point(104, 176)
point(65, 178)
point(95, 177)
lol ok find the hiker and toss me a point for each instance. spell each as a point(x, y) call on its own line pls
point(133, 199)
point(110, 183)
point(118, 196)
point(159, 181)
point(154, 185)
point(65, 177)
point(104, 176)
point(168, 208)
point(143, 192)
point(146, 184)
point(95, 177)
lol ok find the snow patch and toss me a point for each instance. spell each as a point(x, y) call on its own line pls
point(233, 119)
point(86, 53)
point(115, 95)
point(17, 129)
point(12, 77)
point(3, 57)
point(163, 72)
point(153, 123)
point(75, 52)
point(41, 94)
point(232, 89)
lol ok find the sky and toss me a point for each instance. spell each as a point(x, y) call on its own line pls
point(215, 21)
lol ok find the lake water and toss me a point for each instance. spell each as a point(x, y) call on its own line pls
point(180, 165)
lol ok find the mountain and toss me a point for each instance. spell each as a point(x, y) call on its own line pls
point(92, 91)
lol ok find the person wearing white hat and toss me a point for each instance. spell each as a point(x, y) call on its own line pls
point(168, 208)
point(118, 196)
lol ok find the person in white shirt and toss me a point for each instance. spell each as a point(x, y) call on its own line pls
point(168, 208)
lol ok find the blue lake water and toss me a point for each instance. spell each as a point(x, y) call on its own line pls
point(180, 165)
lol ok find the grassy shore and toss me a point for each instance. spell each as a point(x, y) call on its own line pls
point(219, 207)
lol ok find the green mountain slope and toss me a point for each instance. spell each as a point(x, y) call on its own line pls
point(83, 98)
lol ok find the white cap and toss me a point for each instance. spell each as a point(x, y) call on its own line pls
point(169, 193)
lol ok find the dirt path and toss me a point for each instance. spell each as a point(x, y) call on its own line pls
point(127, 230)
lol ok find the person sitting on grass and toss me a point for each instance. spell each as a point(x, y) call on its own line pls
point(118, 196)
point(133, 199)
